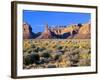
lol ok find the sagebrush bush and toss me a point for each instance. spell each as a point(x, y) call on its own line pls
point(46, 54)
point(26, 60)
point(32, 58)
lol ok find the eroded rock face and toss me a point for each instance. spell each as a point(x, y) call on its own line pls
point(27, 31)
point(81, 31)
point(85, 29)
point(46, 34)
point(84, 32)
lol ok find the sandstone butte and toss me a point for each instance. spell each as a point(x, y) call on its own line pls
point(82, 31)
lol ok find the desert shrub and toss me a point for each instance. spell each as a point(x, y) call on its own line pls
point(57, 56)
point(26, 60)
point(74, 57)
point(76, 46)
point(85, 58)
point(38, 49)
point(29, 51)
point(34, 58)
point(59, 47)
point(46, 44)
point(24, 50)
point(33, 46)
point(46, 54)
point(54, 46)
point(42, 48)
point(74, 51)
point(30, 59)
point(84, 62)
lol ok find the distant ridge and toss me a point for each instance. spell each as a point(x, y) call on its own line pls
point(77, 31)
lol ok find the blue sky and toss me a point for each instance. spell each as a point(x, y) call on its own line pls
point(38, 19)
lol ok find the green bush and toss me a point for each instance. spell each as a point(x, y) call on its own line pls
point(57, 56)
point(46, 54)
point(33, 46)
point(38, 49)
point(26, 60)
point(59, 47)
point(32, 58)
